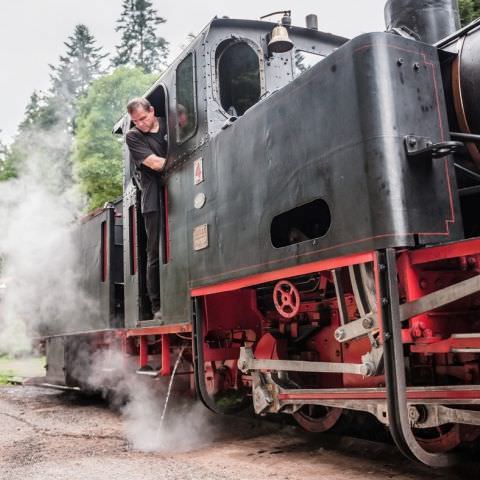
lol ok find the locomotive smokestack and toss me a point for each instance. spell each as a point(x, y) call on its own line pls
point(431, 20)
point(312, 21)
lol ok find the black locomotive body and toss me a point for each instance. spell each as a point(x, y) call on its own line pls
point(319, 244)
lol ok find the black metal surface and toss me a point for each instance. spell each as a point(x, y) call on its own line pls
point(398, 418)
point(469, 77)
point(104, 294)
point(339, 140)
point(430, 20)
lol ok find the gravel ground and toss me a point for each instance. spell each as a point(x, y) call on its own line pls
point(63, 435)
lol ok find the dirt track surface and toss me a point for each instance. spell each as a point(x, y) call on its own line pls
point(46, 434)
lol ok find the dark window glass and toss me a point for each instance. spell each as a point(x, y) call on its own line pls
point(239, 78)
point(302, 223)
point(186, 109)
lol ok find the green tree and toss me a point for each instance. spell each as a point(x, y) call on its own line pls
point(44, 140)
point(7, 169)
point(80, 65)
point(140, 45)
point(98, 154)
point(45, 136)
point(469, 10)
point(76, 70)
point(40, 113)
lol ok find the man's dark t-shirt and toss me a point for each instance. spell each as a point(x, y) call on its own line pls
point(141, 145)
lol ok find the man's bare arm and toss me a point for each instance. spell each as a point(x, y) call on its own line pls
point(155, 162)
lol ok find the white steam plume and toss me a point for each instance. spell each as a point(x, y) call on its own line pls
point(40, 262)
point(187, 425)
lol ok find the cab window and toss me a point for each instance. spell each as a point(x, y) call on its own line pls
point(185, 97)
point(238, 76)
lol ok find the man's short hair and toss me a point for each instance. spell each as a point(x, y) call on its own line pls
point(181, 109)
point(138, 102)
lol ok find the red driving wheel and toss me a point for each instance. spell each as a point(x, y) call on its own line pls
point(286, 299)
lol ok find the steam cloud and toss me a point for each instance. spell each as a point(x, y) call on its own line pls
point(40, 261)
point(141, 401)
point(38, 211)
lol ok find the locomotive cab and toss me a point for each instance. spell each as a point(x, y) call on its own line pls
point(226, 70)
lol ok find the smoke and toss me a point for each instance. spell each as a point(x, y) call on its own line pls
point(186, 425)
point(37, 247)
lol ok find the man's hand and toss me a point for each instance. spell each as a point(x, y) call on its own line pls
point(155, 162)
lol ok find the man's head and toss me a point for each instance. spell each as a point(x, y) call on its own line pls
point(142, 114)
point(182, 117)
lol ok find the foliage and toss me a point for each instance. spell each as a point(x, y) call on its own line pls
point(44, 137)
point(7, 169)
point(76, 70)
point(40, 113)
point(469, 10)
point(98, 154)
point(5, 377)
point(140, 45)
point(46, 132)
point(6, 373)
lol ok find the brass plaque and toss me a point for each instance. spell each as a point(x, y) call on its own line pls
point(200, 237)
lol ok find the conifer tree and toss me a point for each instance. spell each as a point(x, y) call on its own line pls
point(46, 132)
point(81, 64)
point(7, 170)
point(140, 45)
point(40, 113)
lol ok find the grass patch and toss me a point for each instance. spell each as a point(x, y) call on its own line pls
point(5, 377)
point(5, 373)
point(20, 367)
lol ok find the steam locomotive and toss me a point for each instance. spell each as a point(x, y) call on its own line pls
point(320, 237)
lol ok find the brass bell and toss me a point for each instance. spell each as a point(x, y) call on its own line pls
point(280, 43)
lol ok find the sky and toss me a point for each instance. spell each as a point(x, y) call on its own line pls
point(32, 33)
